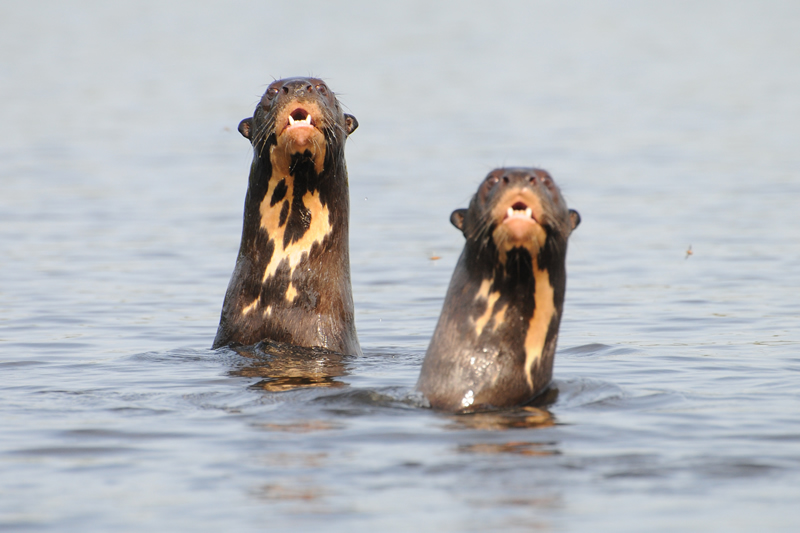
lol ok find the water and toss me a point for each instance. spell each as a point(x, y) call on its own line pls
point(123, 177)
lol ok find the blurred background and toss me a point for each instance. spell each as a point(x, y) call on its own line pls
point(671, 127)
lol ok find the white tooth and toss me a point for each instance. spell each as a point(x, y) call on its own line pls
point(291, 120)
point(510, 211)
point(308, 119)
point(528, 212)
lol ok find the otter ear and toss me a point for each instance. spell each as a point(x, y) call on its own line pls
point(244, 127)
point(457, 218)
point(350, 123)
point(574, 218)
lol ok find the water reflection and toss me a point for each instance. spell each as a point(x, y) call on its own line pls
point(533, 415)
point(513, 447)
point(278, 491)
point(521, 418)
point(301, 426)
point(284, 367)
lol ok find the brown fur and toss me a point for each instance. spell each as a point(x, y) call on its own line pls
point(496, 337)
point(291, 283)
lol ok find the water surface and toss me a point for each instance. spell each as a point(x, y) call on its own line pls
point(675, 405)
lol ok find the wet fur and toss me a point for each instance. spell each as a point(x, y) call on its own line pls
point(491, 362)
point(259, 307)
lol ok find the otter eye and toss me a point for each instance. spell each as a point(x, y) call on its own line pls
point(272, 92)
point(322, 89)
point(490, 182)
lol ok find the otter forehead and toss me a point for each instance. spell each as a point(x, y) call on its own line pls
point(294, 81)
point(534, 180)
point(283, 92)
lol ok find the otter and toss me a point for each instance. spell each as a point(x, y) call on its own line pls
point(495, 340)
point(291, 282)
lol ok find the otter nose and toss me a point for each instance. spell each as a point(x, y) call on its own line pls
point(297, 88)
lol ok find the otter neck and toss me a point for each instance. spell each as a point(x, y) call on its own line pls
point(293, 206)
point(295, 225)
point(535, 293)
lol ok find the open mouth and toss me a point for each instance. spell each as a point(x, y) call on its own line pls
point(301, 133)
point(519, 211)
point(300, 118)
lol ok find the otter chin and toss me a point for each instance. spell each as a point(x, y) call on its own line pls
point(495, 340)
point(291, 283)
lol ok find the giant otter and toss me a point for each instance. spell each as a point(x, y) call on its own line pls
point(494, 344)
point(291, 282)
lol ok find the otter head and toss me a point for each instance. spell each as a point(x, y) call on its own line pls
point(297, 117)
point(516, 208)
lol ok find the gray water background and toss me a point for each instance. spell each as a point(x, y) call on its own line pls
point(122, 179)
